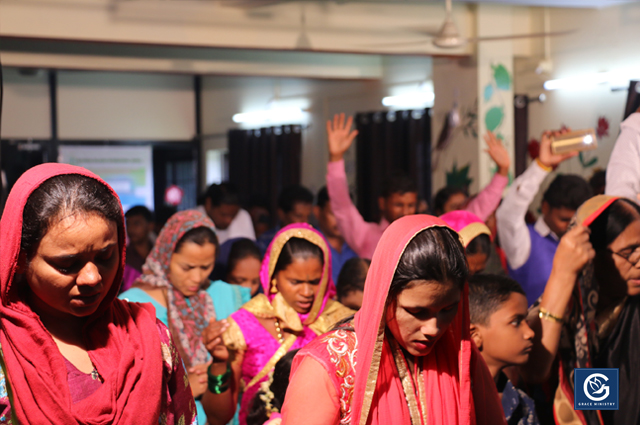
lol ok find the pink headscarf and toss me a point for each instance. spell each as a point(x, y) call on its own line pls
point(121, 338)
point(308, 233)
point(378, 395)
point(468, 225)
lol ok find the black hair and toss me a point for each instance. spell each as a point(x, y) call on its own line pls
point(398, 183)
point(567, 190)
point(140, 210)
point(612, 221)
point(323, 197)
point(297, 248)
point(241, 249)
point(292, 195)
point(258, 413)
point(435, 254)
point(224, 193)
point(487, 292)
point(598, 181)
point(443, 196)
point(200, 236)
point(352, 276)
point(63, 196)
point(481, 244)
point(163, 214)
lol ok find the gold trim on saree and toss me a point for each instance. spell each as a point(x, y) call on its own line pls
point(233, 338)
point(333, 313)
point(472, 231)
point(374, 368)
point(592, 205)
point(315, 239)
point(284, 348)
point(409, 386)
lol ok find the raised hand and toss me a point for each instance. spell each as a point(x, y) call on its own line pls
point(547, 157)
point(212, 339)
point(498, 153)
point(340, 136)
point(574, 252)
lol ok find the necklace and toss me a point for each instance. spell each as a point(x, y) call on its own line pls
point(94, 374)
point(279, 331)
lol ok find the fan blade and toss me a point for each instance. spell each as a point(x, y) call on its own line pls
point(249, 4)
point(520, 36)
point(397, 44)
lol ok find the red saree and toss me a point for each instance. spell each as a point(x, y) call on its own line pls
point(123, 341)
point(376, 388)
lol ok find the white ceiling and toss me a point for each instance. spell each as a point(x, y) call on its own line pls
point(548, 3)
point(557, 3)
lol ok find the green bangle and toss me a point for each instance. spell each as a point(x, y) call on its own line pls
point(219, 383)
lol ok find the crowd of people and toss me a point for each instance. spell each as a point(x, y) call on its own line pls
point(477, 314)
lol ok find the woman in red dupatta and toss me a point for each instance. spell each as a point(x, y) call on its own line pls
point(407, 357)
point(60, 272)
point(589, 313)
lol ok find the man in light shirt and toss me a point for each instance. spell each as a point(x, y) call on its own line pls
point(623, 171)
point(222, 205)
point(530, 248)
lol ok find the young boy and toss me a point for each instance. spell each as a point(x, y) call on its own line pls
point(498, 309)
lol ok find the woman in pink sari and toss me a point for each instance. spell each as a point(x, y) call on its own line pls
point(294, 309)
point(407, 357)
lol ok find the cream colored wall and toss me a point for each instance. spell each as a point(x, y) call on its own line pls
point(96, 105)
point(224, 96)
point(26, 107)
point(606, 41)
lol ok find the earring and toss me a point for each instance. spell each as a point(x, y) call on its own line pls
point(274, 289)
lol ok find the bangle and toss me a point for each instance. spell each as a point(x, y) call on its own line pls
point(544, 314)
point(544, 167)
point(218, 384)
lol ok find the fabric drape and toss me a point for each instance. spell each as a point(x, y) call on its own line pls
point(188, 316)
point(379, 397)
point(391, 142)
point(608, 339)
point(468, 225)
point(122, 339)
point(262, 162)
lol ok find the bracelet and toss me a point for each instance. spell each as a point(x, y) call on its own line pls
point(218, 384)
point(544, 167)
point(544, 314)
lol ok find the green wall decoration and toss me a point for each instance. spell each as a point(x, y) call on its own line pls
point(493, 118)
point(459, 177)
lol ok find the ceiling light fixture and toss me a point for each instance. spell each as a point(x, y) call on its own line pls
point(411, 100)
point(612, 78)
point(289, 115)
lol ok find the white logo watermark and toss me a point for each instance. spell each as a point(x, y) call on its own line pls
point(595, 385)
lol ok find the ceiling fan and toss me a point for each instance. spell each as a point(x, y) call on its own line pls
point(448, 36)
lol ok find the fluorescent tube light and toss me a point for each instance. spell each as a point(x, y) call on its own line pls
point(272, 116)
point(581, 82)
point(412, 100)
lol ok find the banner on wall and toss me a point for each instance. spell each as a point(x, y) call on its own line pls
point(128, 169)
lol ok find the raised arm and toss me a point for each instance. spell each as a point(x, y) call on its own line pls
point(353, 227)
point(512, 229)
point(488, 199)
point(573, 253)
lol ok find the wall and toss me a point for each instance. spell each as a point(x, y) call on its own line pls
point(26, 108)
point(225, 96)
point(100, 106)
point(605, 41)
